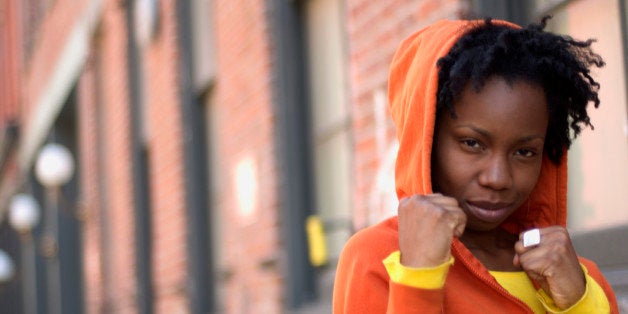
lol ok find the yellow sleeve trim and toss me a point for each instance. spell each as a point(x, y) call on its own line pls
point(593, 300)
point(424, 278)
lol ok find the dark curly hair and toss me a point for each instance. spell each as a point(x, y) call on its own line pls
point(559, 64)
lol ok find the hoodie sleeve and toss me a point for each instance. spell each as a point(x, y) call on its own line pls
point(595, 273)
point(362, 284)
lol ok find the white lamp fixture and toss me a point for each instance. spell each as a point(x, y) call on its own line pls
point(55, 165)
point(6, 267)
point(24, 212)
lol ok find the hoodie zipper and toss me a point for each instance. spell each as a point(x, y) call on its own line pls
point(491, 283)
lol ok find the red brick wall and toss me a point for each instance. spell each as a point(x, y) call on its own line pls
point(9, 61)
point(245, 129)
point(242, 98)
point(164, 144)
point(9, 90)
point(375, 28)
point(57, 25)
point(166, 164)
point(116, 147)
point(87, 146)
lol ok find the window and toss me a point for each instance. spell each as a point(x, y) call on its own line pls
point(331, 128)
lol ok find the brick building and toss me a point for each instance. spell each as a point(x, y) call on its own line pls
point(205, 133)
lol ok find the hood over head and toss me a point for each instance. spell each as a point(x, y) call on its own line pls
point(412, 89)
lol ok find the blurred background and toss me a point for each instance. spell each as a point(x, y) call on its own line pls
point(213, 156)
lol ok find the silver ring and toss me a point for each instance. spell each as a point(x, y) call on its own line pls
point(531, 237)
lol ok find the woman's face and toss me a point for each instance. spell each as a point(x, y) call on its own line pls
point(489, 156)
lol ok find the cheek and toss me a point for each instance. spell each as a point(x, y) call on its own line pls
point(528, 179)
point(451, 171)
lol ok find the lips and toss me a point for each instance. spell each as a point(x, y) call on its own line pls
point(491, 212)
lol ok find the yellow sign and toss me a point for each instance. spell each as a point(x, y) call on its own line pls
point(316, 240)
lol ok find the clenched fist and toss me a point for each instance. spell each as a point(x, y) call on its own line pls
point(554, 265)
point(427, 225)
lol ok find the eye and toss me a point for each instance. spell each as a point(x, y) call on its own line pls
point(471, 144)
point(526, 152)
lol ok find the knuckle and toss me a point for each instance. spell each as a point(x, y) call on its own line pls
point(450, 217)
point(554, 257)
point(416, 205)
point(548, 272)
point(462, 216)
point(406, 204)
point(403, 201)
point(437, 212)
point(452, 201)
point(563, 233)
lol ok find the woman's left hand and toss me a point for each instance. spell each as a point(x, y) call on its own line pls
point(554, 265)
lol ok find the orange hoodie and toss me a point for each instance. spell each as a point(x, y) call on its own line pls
point(362, 284)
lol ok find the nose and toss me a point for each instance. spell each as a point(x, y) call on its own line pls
point(496, 173)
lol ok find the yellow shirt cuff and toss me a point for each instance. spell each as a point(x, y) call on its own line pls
point(424, 278)
point(593, 300)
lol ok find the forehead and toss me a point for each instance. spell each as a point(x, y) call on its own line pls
point(502, 105)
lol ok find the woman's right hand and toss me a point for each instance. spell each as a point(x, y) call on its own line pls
point(427, 225)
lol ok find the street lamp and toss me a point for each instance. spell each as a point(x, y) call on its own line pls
point(24, 214)
point(6, 267)
point(54, 168)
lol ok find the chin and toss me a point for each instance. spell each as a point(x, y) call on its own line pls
point(480, 226)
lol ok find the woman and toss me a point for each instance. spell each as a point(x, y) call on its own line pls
point(484, 111)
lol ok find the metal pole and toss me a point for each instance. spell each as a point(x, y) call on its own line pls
point(294, 148)
point(199, 283)
point(139, 164)
point(51, 251)
point(29, 288)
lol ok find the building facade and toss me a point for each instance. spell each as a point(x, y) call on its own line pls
point(225, 150)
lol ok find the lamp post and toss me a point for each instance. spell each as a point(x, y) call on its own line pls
point(6, 267)
point(24, 214)
point(53, 169)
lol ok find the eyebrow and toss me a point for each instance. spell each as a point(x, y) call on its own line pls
point(475, 129)
point(485, 133)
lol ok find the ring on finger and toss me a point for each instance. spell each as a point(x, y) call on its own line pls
point(531, 237)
